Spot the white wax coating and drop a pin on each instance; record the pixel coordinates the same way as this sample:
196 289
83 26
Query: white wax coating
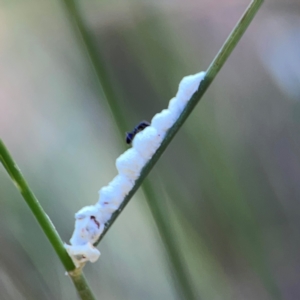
122 183
86 211
86 232
163 121
147 141
130 163
82 253
176 107
110 195
90 220
188 86
88 226
104 215
116 190
108 208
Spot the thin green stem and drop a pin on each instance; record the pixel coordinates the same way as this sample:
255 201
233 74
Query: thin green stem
109 91
112 100
211 73
230 44
43 220
82 287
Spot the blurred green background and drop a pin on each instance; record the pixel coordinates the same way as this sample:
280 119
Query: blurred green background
228 184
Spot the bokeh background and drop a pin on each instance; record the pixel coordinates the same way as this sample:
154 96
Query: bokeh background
227 186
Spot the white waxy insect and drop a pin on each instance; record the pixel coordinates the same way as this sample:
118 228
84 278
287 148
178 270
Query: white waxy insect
110 195
82 253
116 190
130 163
88 227
147 141
105 213
107 208
176 107
188 86
122 183
86 211
163 121
86 230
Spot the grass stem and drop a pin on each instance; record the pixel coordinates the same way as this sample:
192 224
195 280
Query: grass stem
44 221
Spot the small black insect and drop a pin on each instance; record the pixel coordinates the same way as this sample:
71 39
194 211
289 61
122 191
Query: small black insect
130 135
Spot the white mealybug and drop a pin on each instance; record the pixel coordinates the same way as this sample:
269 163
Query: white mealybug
116 190
163 121
107 208
147 141
110 195
82 253
176 107
130 163
88 229
122 183
188 86
86 211
87 226
106 211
